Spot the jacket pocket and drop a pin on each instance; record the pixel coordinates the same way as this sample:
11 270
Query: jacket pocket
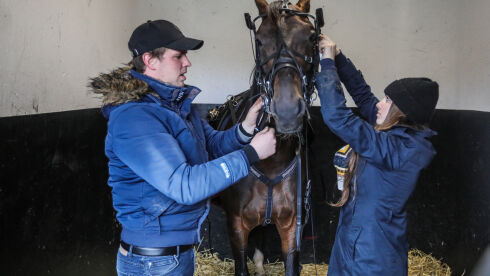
153 208
386 246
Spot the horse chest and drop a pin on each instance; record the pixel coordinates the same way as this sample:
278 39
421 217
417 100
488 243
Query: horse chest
283 198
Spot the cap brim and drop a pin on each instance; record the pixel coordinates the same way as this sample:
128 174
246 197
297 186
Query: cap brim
185 44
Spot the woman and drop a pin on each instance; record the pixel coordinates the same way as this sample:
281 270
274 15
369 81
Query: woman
379 168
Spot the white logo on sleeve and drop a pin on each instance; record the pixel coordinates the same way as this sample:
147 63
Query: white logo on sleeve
225 170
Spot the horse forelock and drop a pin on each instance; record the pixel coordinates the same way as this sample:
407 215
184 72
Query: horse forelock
274 13
274 9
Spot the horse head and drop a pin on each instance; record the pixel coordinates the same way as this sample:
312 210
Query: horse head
286 49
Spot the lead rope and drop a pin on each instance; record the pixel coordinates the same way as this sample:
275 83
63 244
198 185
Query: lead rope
299 203
308 205
307 202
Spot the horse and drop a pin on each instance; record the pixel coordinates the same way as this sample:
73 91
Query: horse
286 58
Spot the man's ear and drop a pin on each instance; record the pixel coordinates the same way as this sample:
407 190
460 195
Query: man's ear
149 61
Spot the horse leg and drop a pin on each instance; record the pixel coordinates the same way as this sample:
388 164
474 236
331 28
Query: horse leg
290 255
257 239
259 263
239 238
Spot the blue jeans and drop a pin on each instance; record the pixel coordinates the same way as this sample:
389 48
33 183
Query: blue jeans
131 264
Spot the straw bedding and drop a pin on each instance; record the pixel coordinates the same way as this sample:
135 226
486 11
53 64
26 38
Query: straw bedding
419 264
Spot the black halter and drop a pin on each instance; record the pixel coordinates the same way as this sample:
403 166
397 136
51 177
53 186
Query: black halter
284 57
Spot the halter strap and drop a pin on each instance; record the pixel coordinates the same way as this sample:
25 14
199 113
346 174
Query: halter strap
270 183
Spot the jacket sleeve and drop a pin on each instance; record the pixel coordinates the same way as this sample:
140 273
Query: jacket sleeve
219 143
357 87
379 147
142 142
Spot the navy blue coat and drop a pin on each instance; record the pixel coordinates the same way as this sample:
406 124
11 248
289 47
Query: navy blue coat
371 233
159 152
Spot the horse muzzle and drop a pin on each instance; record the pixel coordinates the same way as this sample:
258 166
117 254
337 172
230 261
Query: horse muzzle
288 117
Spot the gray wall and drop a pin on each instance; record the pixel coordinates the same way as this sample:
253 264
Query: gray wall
51 47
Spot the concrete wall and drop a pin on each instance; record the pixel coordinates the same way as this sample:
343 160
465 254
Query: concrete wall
51 47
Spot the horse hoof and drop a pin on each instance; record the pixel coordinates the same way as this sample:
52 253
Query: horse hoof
257 274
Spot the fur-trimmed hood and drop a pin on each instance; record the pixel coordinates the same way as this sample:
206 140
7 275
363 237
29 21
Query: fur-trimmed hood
118 87
123 85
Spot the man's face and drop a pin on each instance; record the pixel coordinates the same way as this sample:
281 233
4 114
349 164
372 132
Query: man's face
171 67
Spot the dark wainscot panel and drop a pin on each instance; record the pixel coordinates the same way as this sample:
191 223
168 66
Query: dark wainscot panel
57 216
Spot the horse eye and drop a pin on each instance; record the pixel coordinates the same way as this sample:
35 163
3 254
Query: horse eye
313 37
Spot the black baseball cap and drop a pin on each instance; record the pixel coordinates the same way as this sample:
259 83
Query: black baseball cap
160 33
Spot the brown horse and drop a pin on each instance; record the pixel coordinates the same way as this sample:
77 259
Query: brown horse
285 66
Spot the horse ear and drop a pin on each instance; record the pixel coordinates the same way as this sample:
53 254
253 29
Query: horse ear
262 5
304 5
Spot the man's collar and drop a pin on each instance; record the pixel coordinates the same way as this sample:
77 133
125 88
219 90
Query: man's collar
166 91
174 95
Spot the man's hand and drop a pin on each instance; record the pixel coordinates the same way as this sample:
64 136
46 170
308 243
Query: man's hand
250 120
264 143
327 47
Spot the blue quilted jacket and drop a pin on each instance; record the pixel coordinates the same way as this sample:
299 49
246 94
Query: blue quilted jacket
371 233
164 160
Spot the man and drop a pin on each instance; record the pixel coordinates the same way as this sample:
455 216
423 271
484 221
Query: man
159 151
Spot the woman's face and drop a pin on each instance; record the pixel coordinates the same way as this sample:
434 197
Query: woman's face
383 108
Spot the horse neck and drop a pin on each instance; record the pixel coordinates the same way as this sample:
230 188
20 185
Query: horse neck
285 149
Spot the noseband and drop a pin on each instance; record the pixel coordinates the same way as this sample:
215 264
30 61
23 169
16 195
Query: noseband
284 57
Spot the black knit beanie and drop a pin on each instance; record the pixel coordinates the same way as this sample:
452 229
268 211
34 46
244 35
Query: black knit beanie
416 98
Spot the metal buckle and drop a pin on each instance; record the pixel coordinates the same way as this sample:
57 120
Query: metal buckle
304 81
265 100
285 4
260 83
266 103
268 86
309 59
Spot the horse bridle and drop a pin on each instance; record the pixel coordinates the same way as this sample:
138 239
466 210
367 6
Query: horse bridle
284 57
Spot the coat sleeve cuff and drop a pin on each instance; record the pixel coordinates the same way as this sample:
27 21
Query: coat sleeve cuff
243 136
327 63
340 60
251 154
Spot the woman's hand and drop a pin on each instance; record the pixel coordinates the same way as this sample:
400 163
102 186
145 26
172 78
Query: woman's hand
327 47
